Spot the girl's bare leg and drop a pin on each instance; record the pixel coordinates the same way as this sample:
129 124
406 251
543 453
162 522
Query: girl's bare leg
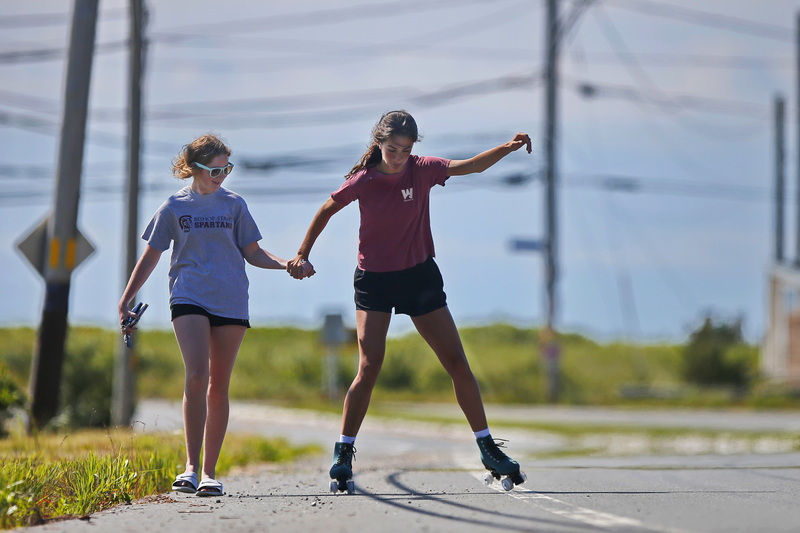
440 332
225 343
371 328
193 334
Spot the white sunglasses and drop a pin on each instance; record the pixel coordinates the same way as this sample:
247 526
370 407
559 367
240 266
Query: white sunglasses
216 171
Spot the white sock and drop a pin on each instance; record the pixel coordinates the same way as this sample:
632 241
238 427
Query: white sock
484 433
346 439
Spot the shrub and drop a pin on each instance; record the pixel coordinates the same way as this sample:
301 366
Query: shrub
86 384
716 355
10 397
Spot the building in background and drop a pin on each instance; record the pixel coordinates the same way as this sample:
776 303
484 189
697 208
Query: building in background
780 360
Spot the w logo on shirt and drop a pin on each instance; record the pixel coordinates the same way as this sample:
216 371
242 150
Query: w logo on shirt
408 194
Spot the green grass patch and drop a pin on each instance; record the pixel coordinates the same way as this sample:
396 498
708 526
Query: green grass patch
49 476
286 365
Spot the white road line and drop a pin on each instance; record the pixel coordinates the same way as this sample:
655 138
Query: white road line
568 510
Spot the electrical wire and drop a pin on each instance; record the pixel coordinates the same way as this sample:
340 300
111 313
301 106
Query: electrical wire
40 20
657 97
707 19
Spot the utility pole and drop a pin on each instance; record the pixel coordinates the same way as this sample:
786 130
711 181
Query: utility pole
56 247
780 181
797 106
123 401
550 349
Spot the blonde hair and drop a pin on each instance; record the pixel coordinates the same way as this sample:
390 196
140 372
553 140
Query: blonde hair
399 123
201 150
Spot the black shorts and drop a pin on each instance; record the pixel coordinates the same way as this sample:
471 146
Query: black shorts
414 291
215 321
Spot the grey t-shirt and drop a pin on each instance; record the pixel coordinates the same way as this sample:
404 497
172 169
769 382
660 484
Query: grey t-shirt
207 266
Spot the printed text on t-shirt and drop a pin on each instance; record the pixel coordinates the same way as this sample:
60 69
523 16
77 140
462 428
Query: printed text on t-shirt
213 222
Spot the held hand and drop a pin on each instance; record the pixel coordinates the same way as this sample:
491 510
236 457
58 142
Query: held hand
308 270
520 140
124 315
299 268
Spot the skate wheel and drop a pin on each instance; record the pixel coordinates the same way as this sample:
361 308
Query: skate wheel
518 478
334 486
488 478
351 486
507 484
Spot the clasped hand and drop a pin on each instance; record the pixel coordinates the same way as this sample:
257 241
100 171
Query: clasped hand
299 268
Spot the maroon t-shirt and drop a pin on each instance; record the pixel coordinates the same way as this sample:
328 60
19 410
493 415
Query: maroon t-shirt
395 231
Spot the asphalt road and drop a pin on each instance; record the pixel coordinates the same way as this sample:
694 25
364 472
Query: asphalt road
413 476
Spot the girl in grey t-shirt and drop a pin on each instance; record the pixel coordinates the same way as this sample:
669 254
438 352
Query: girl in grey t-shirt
212 235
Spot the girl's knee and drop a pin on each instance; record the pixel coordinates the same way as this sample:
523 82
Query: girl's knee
458 368
368 373
217 393
196 382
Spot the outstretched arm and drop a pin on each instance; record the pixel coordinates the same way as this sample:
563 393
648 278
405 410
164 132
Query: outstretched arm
484 160
318 223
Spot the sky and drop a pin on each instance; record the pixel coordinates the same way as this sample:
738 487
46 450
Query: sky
665 150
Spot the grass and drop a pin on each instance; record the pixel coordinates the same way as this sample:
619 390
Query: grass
286 364
48 477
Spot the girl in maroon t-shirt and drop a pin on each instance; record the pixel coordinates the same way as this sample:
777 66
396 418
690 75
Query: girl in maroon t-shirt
396 271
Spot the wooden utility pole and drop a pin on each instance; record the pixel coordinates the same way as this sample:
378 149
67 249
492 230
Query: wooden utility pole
550 351
123 401
56 247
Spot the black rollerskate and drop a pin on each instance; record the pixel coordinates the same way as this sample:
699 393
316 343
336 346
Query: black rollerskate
342 468
498 464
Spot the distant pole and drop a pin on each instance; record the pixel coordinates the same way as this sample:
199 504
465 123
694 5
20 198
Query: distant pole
550 174
123 402
780 180
797 110
62 236
333 335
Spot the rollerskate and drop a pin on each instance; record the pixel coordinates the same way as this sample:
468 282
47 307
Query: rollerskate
498 464
342 468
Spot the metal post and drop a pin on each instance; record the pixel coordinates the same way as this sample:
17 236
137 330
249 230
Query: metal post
797 110
62 236
780 181
551 218
333 335
123 403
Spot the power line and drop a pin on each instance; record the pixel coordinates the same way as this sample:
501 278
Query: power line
39 20
707 19
607 182
700 61
673 101
322 17
669 186
661 101
320 108
52 54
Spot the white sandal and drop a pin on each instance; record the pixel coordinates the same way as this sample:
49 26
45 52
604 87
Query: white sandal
186 482
209 487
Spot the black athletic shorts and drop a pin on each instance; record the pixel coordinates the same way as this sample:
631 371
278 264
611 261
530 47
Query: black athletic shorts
414 291
214 320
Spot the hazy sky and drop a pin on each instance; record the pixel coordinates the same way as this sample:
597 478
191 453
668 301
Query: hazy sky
665 157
